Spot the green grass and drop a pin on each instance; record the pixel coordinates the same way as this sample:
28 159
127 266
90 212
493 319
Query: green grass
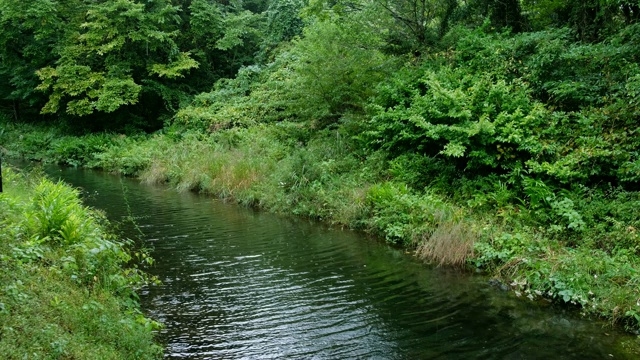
64 290
581 248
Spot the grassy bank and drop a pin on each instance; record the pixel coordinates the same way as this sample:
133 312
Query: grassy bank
283 168
500 136
66 288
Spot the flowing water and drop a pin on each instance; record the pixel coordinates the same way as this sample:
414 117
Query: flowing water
241 284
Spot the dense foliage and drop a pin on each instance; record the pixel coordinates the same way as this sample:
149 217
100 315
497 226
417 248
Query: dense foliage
498 134
125 58
65 289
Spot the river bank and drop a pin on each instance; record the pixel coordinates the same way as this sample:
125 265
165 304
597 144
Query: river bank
67 283
280 169
240 283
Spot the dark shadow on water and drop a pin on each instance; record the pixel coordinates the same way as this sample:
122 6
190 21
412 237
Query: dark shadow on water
238 283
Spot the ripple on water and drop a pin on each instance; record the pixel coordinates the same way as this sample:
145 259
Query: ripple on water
244 285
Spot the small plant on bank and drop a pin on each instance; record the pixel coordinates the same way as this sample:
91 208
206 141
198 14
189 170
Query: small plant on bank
66 288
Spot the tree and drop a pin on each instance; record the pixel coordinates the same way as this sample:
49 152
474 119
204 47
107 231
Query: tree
506 14
104 62
415 19
283 21
224 37
592 20
141 59
334 68
29 32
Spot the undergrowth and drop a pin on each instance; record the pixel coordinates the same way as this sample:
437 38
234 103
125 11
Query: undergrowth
580 248
67 289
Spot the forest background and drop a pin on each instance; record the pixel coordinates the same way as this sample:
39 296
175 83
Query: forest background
500 135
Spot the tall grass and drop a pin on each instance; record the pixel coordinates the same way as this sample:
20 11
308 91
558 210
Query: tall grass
203 165
451 243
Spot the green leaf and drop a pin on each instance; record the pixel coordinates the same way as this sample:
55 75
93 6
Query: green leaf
176 68
453 149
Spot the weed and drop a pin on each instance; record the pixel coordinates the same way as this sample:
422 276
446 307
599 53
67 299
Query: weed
549 240
450 244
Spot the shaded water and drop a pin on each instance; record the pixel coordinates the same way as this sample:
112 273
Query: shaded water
243 284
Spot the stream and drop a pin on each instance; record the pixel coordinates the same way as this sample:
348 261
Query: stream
243 284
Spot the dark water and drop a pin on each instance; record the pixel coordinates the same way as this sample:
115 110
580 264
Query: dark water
240 284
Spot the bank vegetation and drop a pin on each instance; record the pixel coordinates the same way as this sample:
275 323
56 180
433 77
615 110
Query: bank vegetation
500 136
67 284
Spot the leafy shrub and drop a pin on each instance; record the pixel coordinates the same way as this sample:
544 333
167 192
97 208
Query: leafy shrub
475 122
55 215
404 217
521 126
224 107
35 144
128 155
336 65
79 151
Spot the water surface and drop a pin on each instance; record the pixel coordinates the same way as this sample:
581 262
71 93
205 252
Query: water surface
241 284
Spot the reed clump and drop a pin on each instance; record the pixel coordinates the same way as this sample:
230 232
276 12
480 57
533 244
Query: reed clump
451 243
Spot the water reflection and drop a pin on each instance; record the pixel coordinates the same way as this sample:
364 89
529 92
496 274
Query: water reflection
244 284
